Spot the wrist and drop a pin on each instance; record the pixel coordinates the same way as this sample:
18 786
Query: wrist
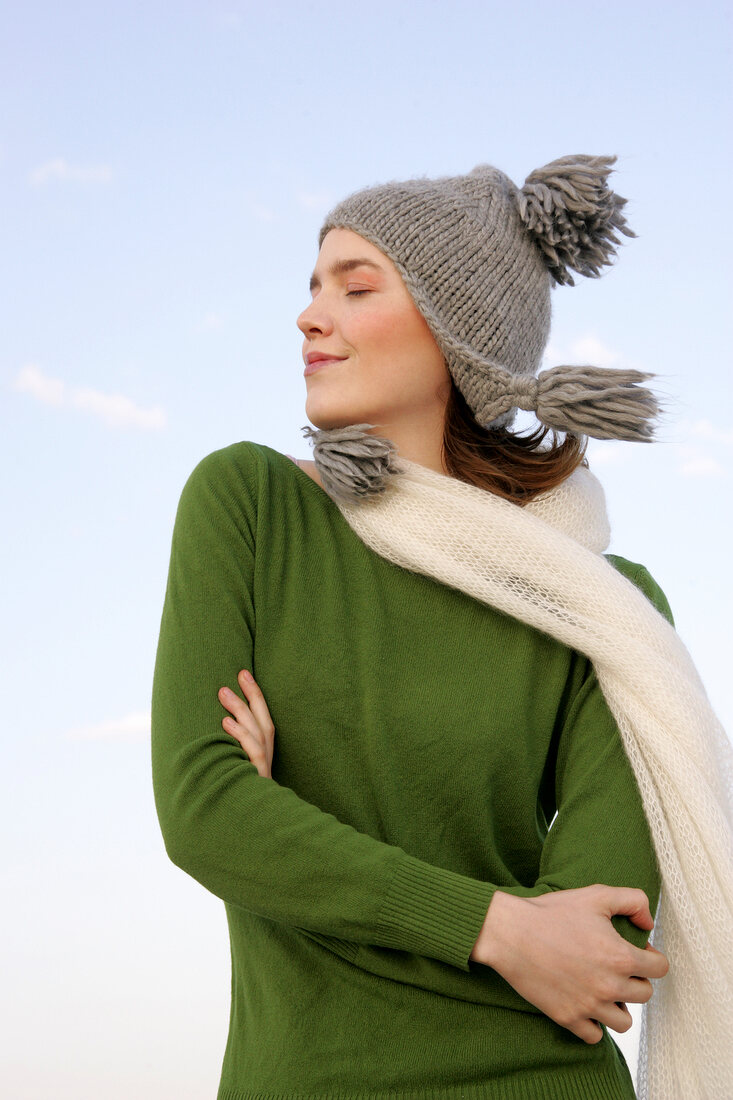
495 935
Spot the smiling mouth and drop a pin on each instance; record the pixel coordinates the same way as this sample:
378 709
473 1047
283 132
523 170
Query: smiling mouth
316 365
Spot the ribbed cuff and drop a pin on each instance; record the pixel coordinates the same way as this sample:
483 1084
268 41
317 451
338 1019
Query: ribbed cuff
431 911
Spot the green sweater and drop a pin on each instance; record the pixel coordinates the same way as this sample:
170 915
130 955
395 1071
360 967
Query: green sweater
424 743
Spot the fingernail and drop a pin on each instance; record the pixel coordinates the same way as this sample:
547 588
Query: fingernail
247 675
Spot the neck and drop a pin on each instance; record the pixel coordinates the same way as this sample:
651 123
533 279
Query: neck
419 442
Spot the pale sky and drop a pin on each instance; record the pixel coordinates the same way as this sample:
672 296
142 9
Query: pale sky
165 169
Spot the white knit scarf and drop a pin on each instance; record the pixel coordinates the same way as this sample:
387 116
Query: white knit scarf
543 564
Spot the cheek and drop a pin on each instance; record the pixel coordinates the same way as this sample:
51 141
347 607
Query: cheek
372 331
402 334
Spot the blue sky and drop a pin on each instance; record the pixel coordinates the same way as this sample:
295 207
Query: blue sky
164 171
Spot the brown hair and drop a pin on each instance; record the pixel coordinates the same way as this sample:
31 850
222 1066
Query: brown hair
516 467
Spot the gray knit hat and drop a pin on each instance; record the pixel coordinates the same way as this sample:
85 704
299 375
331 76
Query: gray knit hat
479 257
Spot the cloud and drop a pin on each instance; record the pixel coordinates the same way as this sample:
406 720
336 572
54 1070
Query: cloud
704 429
607 452
591 350
131 727
259 209
112 408
117 410
30 379
703 454
59 170
696 464
586 350
315 200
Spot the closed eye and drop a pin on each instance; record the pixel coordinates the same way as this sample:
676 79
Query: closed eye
356 293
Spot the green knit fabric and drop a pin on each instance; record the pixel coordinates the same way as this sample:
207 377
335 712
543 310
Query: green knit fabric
424 743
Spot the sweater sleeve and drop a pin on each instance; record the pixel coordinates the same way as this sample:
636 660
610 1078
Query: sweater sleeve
600 833
249 840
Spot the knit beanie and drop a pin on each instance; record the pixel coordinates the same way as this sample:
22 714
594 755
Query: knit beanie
479 257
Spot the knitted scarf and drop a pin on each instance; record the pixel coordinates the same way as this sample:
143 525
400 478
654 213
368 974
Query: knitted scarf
543 564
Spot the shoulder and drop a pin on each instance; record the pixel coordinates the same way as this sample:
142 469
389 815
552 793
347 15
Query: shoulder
644 581
245 461
309 466
233 478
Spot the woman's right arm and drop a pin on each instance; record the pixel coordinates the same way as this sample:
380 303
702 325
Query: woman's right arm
247 839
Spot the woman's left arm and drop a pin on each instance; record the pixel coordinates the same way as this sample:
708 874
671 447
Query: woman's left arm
599 836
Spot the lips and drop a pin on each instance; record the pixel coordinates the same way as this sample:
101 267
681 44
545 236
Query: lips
316 360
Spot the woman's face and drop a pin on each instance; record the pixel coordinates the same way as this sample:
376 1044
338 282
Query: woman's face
385 368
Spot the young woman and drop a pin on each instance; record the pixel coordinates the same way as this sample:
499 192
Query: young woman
439 677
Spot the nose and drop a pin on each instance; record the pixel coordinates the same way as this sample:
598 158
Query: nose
315 320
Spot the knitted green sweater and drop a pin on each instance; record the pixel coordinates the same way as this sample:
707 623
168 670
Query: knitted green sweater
424 743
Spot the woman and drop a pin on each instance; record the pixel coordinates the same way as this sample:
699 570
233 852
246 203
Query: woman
403 921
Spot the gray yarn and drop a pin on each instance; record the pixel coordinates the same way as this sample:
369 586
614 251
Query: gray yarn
607 404
573 215
479 257
352 464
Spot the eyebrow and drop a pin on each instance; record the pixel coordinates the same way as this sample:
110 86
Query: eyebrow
340 266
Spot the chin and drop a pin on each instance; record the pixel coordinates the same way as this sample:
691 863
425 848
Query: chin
326 418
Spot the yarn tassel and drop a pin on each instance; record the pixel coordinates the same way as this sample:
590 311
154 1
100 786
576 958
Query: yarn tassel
595 401
352 464
574 215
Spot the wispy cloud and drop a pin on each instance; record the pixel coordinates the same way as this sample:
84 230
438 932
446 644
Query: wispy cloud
113 408
29 379
705 452
315 200
698 464
591 350
131 727
705 429
259 209
584 350
118 410
608 452
61 171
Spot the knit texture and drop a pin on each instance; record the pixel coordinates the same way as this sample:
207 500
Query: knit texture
424 742
479 255
542 564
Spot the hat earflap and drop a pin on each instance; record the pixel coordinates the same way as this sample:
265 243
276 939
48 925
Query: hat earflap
573 215
592 401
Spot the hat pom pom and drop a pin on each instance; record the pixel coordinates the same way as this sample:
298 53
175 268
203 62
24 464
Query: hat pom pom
352 464
573 215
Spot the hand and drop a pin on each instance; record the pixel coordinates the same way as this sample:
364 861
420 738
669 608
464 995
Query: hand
250 725
562 954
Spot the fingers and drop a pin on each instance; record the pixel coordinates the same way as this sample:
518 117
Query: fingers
588 1030
655 964
645 962
628 902
638 991
256 701
634 904
618 1017
249 722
